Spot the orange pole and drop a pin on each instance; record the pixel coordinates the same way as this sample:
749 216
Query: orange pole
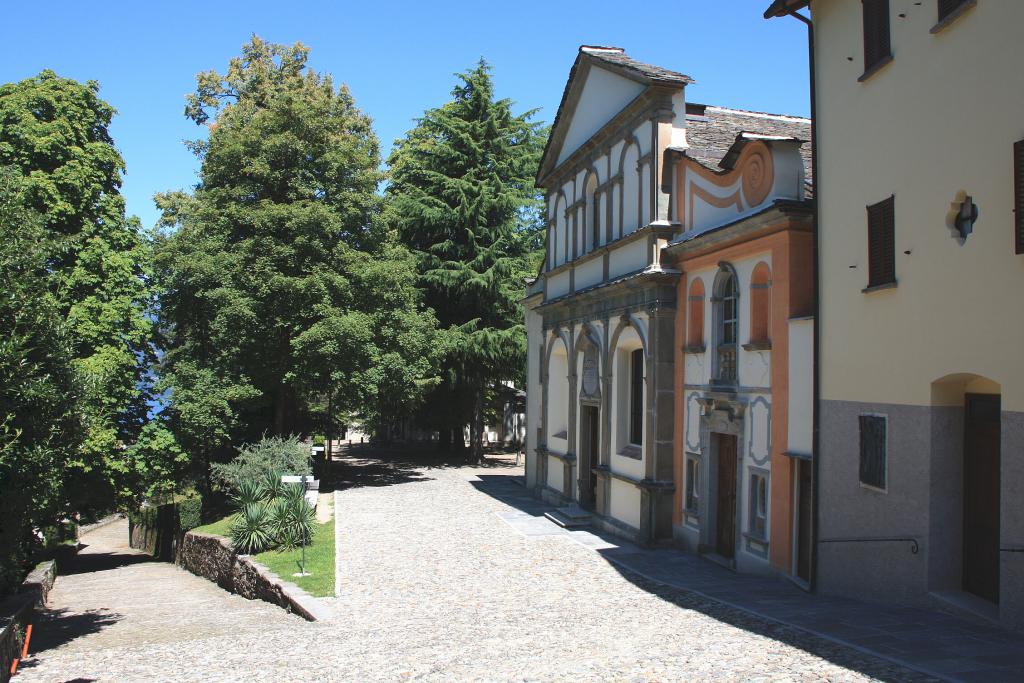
24 650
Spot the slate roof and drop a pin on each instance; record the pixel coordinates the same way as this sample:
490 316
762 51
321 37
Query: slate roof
616 56
711 131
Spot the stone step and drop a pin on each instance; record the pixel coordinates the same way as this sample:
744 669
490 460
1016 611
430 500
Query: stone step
570 517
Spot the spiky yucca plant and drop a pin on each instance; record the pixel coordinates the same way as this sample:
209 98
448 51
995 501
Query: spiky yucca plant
292 517
273 487
251 532
249 493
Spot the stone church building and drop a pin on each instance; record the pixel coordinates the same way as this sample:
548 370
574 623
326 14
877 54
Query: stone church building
668 397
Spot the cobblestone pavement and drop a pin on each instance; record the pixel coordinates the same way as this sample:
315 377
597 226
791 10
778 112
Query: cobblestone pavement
437 586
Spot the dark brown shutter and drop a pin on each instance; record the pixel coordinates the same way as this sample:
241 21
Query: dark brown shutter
882 243
946 7
876 32
1018 196
873 450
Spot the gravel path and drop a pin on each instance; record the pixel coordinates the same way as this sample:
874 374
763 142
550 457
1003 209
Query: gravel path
436 586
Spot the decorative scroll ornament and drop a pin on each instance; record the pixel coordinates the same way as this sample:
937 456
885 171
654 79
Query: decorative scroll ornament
758 175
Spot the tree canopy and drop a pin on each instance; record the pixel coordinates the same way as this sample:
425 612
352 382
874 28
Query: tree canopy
54 133
462 198
284 299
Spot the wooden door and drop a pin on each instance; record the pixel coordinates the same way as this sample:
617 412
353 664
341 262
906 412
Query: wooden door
590 458
803 519
981 496
725 525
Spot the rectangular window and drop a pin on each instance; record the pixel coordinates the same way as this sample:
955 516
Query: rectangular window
873 451
882 243
1018 196
758 523
877 49
636 398
692 485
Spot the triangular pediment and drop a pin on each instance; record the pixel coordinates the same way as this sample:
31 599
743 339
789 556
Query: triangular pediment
602 95
602 83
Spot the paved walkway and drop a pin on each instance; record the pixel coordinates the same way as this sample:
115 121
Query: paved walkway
929 642
115 606
447 573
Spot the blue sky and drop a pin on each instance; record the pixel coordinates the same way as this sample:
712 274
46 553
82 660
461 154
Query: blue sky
397 57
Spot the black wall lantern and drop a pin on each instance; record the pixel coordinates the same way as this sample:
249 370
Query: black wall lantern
966 217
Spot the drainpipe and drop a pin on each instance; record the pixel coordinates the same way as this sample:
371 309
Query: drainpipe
815 368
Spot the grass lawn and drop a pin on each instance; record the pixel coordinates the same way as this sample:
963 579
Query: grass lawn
319 557
222 527
319 562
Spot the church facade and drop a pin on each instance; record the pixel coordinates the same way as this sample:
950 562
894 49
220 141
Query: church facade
646 194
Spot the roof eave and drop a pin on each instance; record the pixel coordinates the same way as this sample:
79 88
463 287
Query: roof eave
782 8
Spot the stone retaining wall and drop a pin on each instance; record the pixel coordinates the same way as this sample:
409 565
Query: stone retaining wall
213 558
17 611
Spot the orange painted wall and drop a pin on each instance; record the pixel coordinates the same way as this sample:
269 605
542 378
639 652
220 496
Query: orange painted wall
792 294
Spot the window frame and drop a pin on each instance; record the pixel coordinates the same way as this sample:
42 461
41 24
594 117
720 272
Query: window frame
884 488
951 15
727 277
878 212
636 398
876 12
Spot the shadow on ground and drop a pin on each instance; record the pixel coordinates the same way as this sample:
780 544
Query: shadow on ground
55 627
86 563
359 465
509 489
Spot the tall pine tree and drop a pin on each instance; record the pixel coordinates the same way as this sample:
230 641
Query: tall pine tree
461 194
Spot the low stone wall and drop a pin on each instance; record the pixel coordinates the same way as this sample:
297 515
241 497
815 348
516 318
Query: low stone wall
17 611
213 558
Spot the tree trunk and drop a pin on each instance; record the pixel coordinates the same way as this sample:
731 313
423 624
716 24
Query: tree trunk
477 429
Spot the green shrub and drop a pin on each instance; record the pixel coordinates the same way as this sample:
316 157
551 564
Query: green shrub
293 517
251 532
249 492
270 515
190 512
273 487
287 456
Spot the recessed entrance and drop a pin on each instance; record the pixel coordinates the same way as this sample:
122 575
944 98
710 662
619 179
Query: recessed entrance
981 496
725 505
590 460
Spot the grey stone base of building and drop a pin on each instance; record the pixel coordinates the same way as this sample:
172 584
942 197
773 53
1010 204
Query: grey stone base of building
905 542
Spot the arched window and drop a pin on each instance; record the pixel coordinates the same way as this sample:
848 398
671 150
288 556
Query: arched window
560 233
630 190
593 229
695 317
727 325
760 305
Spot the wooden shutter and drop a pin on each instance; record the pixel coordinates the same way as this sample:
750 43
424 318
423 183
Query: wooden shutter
1018 196
882 243
873 450
946 7
876 32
